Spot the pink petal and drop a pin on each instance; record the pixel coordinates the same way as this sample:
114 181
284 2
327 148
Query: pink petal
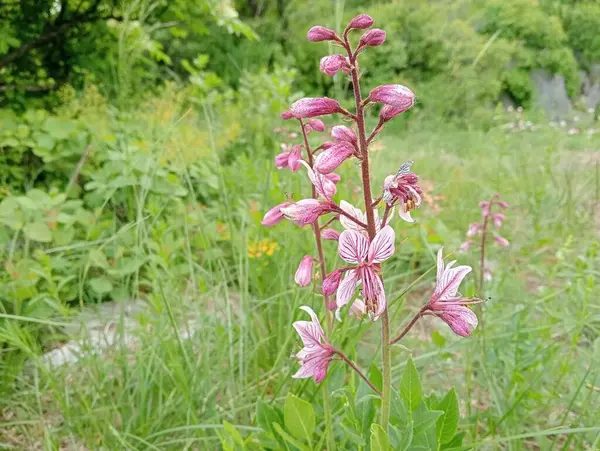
325 187
281 160
330 234
294 157
353 247
382 246
304 273
328 160
331 282
461 320
347 288
451 279
274 215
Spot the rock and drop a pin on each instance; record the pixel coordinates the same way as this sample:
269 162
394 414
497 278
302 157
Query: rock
590 87
551 94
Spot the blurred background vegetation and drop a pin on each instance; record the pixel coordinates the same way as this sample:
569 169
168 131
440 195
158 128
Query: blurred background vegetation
136 146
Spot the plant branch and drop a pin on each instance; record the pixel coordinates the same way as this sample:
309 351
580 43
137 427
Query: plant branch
359 372
409 326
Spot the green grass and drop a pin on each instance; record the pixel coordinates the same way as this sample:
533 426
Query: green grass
528 378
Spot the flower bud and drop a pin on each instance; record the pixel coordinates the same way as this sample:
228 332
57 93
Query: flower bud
314 106
287 114
389 112
485 208
306 211
397 96
331 282
274 215
502 241
331 64
333 177
465 246
317 125
319 33
498 218
372 38
281 160
304 273
503 204
341 133
360 22
327 144
330 159
294 157
474 229
330 234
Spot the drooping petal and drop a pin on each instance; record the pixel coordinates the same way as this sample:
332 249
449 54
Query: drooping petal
274 215
331 283
294 157
281 160
353 247
461 320
382 246
404 213
347 288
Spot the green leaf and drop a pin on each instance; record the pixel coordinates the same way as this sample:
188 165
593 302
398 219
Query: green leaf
410 386
299 417
448 423
438 339
38 231
401 438
98 259
379 438
455 443
424 419
101 285
288 438
266 415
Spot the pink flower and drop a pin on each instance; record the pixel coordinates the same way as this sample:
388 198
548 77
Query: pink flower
397 96
341 133
281 160
349 224
317 353
331 282
465 246
274 215
372 38
330 65
304 273
330 234
389 112
503 204
502 241
355 248
403 187
317 125
287 114
319 33
328 160
324 187
327 144
360 22
485 208
474 229
498 218
314 106
306 211
446 304
332 176
295 157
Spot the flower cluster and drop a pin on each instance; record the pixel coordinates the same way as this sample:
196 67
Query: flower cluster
365 240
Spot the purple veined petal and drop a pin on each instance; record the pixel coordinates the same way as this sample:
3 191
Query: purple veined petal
389 112
353 247
330 234
281 160
331 283
310 333
347 287
440 265
325 187
381 300
342 133
332 176
449 283
461 320
346 222
382 247
274 215
305 211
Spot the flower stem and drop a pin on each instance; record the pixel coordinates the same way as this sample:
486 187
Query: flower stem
359 372
409 325
368 197
317 233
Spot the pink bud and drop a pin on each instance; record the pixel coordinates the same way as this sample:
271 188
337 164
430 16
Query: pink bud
503 204
331 282
498 218
397 96
319 33
341 133
333 177
331 64
389 112
306 211
295 157
485 208
474 229
372 38
330 234
327 144
361 22
274 215
465 246
502 241
317 125
281 160
330 159
314 106
304 272
287 114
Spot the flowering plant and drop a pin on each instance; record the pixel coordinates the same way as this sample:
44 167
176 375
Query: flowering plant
364 245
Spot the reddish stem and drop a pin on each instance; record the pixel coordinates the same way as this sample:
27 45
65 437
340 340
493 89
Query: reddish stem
317 230
359 372
410 325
